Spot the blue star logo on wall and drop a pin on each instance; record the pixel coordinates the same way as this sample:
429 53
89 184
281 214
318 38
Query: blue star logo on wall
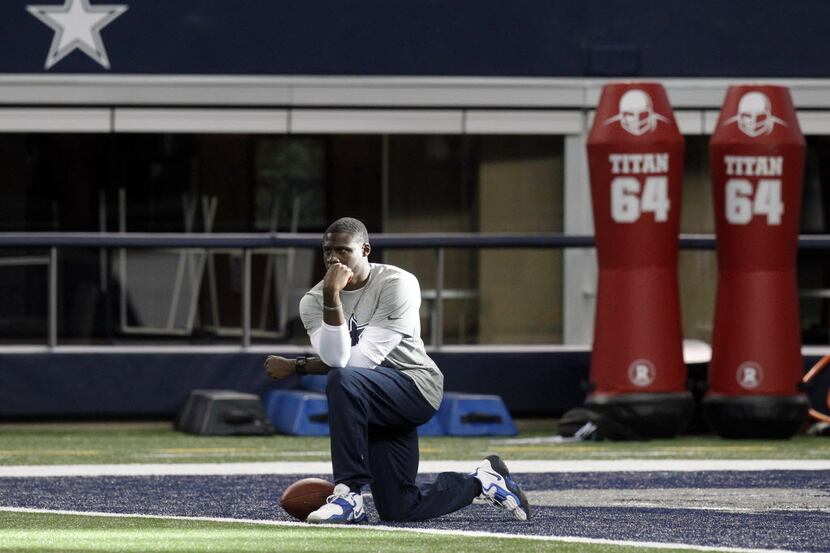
77 25
355 330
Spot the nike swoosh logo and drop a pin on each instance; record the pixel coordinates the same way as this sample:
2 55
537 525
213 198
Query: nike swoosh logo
495 475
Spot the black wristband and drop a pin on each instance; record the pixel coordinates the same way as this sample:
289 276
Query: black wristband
299 365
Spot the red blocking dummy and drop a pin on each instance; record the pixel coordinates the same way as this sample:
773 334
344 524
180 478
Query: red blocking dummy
636 153
757 164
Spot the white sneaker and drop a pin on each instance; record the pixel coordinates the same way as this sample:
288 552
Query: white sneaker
500 489
342 507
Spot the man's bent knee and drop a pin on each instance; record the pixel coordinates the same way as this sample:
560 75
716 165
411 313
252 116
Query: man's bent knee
341 379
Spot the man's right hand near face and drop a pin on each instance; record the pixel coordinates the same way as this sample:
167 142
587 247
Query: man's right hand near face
337 277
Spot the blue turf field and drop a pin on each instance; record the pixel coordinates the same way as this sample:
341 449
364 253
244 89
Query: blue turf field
778 509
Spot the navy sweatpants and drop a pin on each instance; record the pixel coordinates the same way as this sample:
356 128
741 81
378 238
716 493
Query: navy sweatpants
373 419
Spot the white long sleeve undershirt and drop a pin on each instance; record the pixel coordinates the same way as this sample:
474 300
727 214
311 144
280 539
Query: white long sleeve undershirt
333 344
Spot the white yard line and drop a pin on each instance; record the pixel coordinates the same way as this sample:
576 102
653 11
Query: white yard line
324 467
565 539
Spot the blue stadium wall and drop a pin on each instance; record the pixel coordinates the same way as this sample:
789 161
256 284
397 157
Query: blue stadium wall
156 383
534 382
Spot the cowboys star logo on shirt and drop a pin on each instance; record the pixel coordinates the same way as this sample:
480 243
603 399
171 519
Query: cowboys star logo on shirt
355 330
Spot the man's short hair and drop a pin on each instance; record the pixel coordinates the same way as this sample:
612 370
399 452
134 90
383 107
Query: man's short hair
352 226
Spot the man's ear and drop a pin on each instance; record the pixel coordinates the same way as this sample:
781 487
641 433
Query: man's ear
366 249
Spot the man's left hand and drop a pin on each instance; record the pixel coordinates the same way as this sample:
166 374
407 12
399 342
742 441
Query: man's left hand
279 367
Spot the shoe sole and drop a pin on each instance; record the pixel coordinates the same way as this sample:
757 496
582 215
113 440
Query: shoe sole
353 521
522 512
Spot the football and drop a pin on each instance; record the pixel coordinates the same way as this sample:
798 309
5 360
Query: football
304 496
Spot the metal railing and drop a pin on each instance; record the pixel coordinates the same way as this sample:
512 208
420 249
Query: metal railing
249 242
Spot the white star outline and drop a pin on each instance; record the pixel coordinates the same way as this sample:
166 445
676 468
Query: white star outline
356 330
77 25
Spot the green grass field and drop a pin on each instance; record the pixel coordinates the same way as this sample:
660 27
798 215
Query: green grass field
95 443
116 443
38 532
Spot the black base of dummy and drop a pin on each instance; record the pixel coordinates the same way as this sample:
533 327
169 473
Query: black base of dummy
658 415
760 417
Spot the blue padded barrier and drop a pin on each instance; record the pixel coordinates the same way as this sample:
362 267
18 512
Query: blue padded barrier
317 383
305 413
432 427
298 412
475 415
314 383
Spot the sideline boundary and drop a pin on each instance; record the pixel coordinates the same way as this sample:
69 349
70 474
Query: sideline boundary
426 467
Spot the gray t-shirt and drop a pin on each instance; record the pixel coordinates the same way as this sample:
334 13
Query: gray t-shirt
390 299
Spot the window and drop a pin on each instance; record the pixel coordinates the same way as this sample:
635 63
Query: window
256 183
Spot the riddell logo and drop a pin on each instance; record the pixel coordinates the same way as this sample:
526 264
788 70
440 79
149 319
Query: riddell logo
749 375
637 115
641 372
754 116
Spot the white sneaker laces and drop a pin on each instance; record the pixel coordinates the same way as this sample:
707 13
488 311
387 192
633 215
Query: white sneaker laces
341 495
332 497
510 503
